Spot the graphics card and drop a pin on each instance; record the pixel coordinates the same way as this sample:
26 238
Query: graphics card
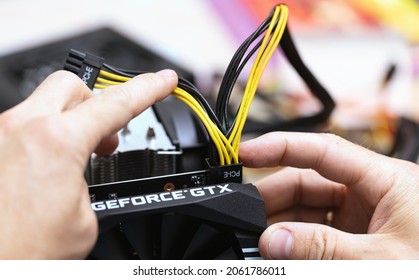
159 196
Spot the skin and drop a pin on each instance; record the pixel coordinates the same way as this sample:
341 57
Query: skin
374 199
46 142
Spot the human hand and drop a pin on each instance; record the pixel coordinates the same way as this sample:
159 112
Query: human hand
45 145
374 199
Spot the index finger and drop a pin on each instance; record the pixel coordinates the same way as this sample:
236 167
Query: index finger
106 113
333 157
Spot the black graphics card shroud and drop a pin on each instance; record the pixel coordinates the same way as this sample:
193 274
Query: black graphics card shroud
222 221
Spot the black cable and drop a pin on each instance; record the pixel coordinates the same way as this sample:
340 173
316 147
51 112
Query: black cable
183 84
291 53
312 83
234 69
241 57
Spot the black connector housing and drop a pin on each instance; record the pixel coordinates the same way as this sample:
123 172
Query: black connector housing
224 173
84 65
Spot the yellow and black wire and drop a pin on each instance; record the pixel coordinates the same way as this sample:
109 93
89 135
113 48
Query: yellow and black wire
226 154
225 136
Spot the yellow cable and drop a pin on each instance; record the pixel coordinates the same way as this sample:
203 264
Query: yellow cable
225 150
261 61
100 86
114 76
217 136
257 73
221 151
250 79
107 82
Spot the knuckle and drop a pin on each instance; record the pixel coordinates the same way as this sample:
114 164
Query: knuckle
321 246
331 138
65 77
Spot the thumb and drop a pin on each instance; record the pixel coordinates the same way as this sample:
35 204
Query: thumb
314 242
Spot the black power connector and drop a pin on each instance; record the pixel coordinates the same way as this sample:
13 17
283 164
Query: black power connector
84 65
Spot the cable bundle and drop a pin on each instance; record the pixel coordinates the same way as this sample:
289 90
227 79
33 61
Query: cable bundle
191 96
225 133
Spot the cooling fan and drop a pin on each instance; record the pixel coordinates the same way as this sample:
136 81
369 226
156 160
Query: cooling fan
210 222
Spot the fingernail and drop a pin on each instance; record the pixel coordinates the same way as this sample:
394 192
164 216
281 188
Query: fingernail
280 244
167 73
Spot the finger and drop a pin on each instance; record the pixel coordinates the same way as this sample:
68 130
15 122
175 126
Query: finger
333 157
300 214
106 113
315 242
107 146
61 91
291 186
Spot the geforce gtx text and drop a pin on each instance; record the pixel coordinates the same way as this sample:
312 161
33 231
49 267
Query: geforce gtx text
160 197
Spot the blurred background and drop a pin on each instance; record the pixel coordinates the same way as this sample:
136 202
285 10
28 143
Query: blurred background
366 53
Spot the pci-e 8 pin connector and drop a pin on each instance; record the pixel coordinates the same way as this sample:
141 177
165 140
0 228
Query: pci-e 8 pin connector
84 65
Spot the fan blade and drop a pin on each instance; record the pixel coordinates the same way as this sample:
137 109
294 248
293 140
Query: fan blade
112 245
207 243
176 233
229 254
139 232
